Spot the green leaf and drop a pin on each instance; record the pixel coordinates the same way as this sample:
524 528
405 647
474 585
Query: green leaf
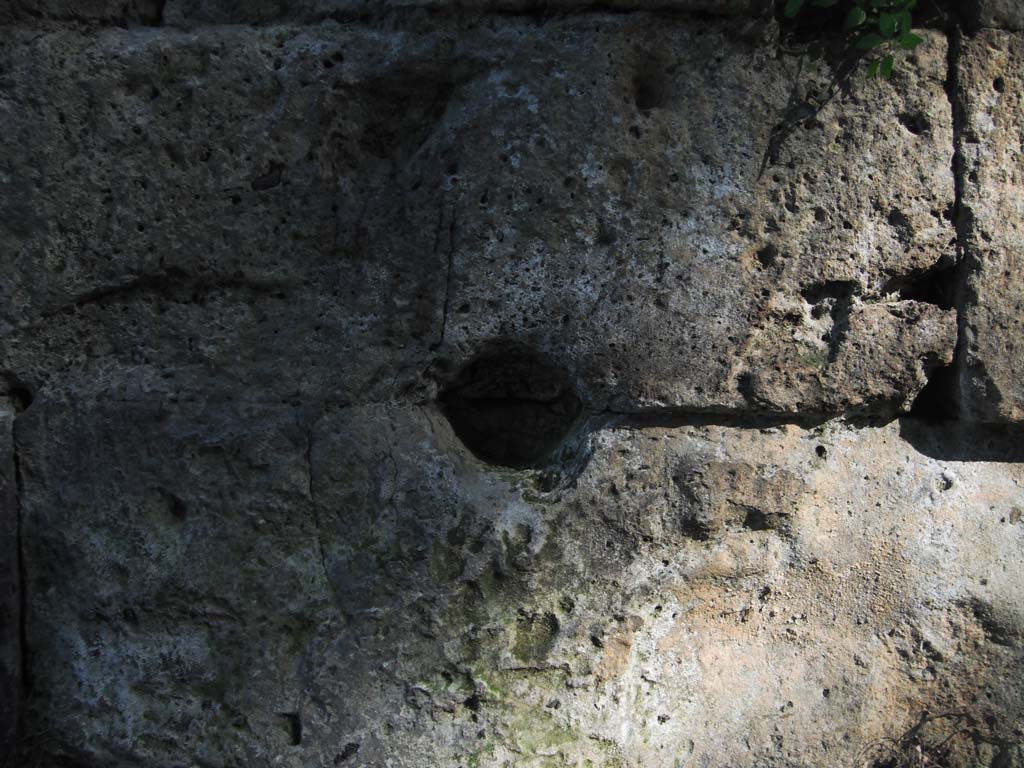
906 21
793 8
873 68
886 69
855 18
909 41
869 41
888 23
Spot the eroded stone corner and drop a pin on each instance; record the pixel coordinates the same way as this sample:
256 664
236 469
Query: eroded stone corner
987 88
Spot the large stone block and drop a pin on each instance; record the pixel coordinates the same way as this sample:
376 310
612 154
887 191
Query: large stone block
990 87
672 266
225 585
166 597
217 207
326 212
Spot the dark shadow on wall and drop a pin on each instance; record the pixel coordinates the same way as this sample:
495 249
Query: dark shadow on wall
963 441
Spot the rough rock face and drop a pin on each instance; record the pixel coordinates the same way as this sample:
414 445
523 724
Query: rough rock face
184 13
558 186
422 383
999 14
990 83
10 592
368 587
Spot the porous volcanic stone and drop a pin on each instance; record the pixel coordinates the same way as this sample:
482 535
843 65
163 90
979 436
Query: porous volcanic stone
990 88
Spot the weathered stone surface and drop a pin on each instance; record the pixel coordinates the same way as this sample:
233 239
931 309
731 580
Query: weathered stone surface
869 357
209 204
174 223
10 592
359 587
990 87
121 12
178 594
189 12
494 389
666 268
999 14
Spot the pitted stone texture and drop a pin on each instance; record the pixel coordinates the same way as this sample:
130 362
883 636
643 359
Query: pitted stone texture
998 14
172 219
10 589
202 580
190 12
319 212
173 597
48 12
889 350
991 88
665 268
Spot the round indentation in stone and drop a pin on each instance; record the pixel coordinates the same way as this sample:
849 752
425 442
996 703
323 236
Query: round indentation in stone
511 406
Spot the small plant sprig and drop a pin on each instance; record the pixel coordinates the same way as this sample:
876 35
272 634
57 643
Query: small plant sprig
844 33
874 28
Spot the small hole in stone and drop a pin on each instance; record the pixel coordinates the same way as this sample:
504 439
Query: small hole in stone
293 726
511 406
650 87
821 451
938 402
756 520
999 84
349 751
606 234
20 397
767 255
917 123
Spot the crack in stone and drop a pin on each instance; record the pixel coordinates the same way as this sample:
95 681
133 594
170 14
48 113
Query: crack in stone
942 397
24 669
167 280
162 282
539 10
448 274
316 519
374 12
960 213
676 418
11 594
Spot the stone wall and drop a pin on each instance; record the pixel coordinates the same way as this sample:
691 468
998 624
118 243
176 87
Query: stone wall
432 383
